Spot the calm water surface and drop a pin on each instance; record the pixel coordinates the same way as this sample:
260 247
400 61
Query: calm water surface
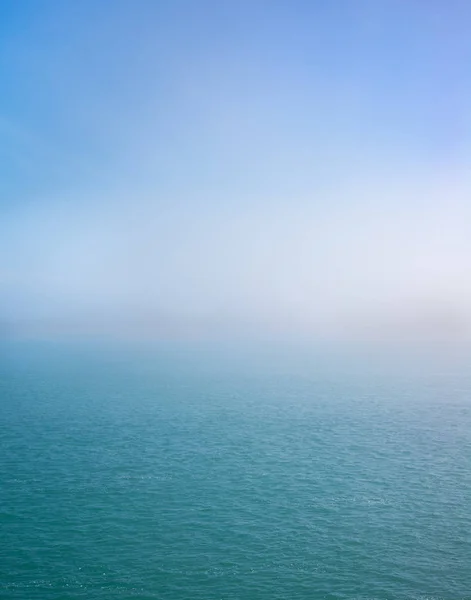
183 474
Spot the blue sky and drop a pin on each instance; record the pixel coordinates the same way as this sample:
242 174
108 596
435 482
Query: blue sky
221 166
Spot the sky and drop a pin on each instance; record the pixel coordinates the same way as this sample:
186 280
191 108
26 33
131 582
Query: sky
254 167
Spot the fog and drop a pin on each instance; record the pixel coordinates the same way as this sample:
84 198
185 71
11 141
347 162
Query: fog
212 183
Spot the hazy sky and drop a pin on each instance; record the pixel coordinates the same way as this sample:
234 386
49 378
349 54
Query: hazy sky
224 166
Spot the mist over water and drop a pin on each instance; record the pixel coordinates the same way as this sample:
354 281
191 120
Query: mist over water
259 271
235 300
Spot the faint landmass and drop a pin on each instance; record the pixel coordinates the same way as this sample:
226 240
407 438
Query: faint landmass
420 324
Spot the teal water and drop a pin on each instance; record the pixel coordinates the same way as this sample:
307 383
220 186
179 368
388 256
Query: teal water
180 474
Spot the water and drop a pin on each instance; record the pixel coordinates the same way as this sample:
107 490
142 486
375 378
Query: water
179 474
